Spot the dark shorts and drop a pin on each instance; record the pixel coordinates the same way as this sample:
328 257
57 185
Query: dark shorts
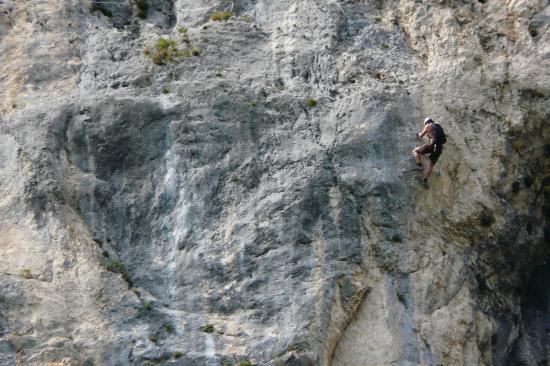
432 149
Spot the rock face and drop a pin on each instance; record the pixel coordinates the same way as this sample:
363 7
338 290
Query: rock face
181 190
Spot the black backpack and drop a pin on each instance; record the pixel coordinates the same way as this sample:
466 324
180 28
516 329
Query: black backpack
440 137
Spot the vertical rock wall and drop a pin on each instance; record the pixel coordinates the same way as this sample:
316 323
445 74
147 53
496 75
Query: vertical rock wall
244 189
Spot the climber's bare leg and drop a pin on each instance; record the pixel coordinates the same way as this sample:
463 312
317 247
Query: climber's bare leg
429 171
416 155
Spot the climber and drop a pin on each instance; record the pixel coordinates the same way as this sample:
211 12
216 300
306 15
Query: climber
434 147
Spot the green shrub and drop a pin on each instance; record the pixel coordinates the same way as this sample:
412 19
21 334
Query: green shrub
247 18
221 15
385 46
208 328
147 306
114 265
310 102
183 30
25 273
142 7
245 363
153 339
163 51
164 43
165 91
176 355
169 328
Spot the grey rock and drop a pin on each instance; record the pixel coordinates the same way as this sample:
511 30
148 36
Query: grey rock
142 200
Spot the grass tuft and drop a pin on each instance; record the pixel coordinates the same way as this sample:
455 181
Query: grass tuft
116 266
195 51
310 102
221 15
163 51
169 328
207 328
25 273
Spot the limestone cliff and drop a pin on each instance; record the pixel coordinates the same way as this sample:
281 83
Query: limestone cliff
206 182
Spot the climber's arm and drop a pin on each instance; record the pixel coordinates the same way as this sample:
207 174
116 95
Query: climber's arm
423 132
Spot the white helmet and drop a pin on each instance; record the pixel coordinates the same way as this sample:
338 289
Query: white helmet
428 120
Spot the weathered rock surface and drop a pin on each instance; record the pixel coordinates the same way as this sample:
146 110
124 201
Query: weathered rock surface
251 196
